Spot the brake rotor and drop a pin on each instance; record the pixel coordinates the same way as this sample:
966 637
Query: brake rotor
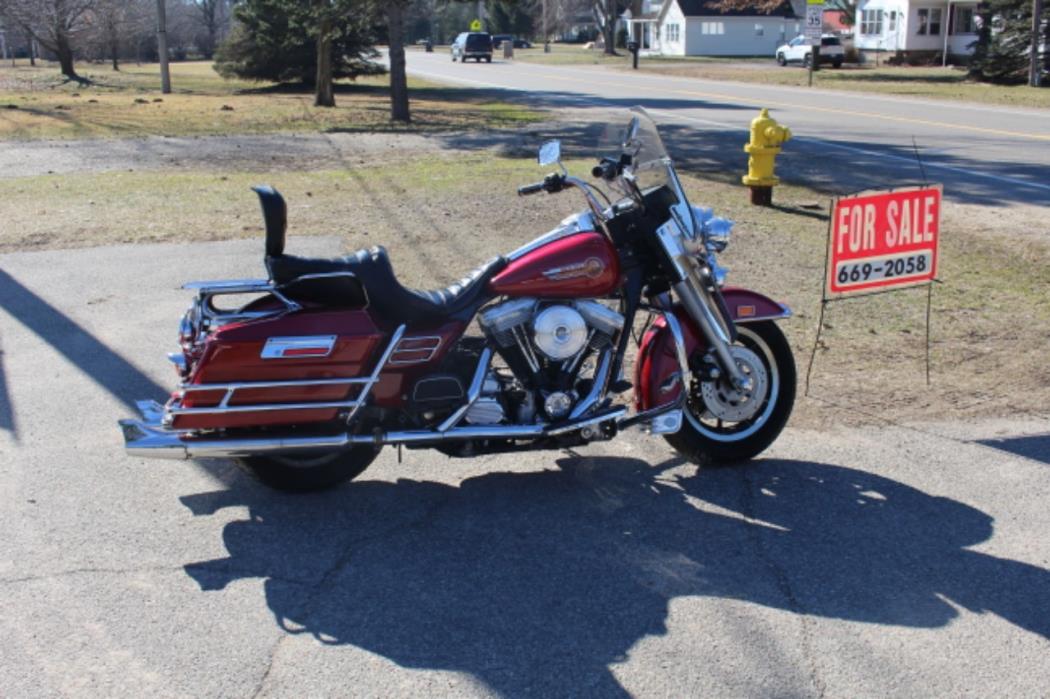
726 403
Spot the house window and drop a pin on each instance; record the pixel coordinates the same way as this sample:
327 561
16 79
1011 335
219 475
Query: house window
891 24
871 22
929 21
713 28
965 22
760 30
672 32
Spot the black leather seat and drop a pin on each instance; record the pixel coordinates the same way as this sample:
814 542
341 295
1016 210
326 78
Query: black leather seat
373 272
386 295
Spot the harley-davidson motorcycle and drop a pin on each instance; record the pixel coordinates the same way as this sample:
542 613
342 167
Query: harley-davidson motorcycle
333 359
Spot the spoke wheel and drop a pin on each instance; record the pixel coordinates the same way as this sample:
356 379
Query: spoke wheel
724 426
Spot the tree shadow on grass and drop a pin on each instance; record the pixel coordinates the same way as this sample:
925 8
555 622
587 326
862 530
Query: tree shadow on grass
830 166
536 582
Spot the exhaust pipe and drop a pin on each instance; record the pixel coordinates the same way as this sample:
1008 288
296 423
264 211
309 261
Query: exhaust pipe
149 438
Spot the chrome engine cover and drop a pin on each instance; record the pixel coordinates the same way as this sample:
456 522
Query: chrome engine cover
560 332
486 410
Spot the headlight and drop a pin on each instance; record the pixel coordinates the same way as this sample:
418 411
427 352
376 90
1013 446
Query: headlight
716 233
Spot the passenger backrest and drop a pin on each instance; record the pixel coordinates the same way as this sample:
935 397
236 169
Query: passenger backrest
275 213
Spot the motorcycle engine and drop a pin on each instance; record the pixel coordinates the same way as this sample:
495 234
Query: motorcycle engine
544 343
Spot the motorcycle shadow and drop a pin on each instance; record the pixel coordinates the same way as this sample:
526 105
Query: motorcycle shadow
536 582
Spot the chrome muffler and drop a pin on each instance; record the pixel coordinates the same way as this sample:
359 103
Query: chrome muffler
150 438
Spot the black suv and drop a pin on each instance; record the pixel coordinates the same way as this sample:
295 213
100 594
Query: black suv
476 45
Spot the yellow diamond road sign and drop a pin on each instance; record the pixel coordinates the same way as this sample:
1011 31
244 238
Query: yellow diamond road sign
475 26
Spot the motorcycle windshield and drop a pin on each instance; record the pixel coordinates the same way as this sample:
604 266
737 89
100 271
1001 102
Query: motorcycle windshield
635 134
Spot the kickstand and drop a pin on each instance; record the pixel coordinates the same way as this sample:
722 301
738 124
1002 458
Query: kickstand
399 453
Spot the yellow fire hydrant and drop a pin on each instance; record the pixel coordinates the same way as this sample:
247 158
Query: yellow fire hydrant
766 138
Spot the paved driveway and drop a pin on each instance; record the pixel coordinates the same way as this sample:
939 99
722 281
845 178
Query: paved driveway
890 561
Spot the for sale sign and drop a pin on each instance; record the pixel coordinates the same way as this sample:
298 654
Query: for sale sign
883 240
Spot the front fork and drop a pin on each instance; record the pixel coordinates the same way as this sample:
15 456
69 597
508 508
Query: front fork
696 291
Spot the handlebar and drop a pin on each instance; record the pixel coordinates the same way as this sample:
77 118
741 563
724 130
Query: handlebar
551 184
528 189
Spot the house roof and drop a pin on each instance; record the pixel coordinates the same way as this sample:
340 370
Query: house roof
709 8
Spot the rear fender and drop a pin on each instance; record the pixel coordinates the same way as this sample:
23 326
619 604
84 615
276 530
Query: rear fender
657 377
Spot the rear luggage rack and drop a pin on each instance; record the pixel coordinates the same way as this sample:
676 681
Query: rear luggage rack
207 316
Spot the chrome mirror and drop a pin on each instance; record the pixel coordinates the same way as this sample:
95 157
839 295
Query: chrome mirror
550 153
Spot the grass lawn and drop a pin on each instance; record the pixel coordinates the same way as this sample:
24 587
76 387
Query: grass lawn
935 83
35 103
569 54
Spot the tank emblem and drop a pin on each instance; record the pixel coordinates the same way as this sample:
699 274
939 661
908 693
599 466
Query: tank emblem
590 268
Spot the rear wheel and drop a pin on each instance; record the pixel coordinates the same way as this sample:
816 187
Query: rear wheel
301 473
837 63
723 426
807 60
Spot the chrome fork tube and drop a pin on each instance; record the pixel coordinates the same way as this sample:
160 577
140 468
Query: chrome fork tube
701 312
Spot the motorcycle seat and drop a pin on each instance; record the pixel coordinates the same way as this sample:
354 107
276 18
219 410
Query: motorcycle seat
385 294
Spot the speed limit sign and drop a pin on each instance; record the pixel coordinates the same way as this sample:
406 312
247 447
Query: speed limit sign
814 22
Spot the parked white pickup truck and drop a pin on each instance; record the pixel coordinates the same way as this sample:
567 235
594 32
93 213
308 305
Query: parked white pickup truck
798 51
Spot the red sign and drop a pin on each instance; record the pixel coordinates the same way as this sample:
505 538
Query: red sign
883 240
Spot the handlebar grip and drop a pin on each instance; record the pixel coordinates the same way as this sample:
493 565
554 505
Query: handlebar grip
527 189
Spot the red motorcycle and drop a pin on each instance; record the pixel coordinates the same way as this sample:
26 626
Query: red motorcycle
334 358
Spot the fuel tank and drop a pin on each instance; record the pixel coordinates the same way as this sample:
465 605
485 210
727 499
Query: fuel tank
578 265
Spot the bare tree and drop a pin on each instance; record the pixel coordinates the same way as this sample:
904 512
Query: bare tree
763 6
54 24
111 21
210 14
607 12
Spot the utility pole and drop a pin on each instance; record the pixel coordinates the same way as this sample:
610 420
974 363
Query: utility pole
1035 70
162 47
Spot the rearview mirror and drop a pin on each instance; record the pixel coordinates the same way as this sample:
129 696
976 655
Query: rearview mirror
631 133
550 153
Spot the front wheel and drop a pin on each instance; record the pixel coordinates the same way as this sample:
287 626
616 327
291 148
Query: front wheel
781 61
723 426
302 473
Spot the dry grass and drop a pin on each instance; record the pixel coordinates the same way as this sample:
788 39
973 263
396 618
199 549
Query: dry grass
36 104
934 83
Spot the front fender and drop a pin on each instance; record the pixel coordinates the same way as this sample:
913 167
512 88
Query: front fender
656 369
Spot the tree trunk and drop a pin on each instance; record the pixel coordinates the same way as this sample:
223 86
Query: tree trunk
609 26
324 95
114 49
32 50
162 47
1035 68
398 81
65 57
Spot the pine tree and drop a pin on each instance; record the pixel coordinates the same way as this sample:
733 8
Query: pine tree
1001 52
277 40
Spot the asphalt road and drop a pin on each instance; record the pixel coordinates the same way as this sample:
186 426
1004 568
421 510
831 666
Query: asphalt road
843 140
891 561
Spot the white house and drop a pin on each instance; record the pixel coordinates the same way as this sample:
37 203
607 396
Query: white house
698 28
916 28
